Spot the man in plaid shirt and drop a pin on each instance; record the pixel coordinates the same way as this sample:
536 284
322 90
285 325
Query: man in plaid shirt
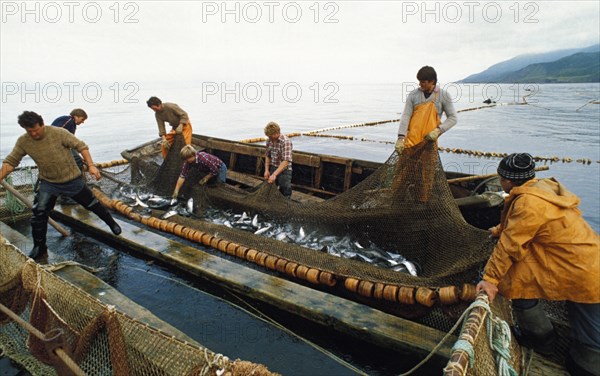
278 159
204 162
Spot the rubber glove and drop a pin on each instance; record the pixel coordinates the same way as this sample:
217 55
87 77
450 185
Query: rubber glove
433 135
399 146
174 196
165 144
179 129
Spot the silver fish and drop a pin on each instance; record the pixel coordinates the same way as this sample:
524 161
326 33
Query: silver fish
412 269
301 234
262 230
139 202
190 205
255 221
168 214
242 218
282 237
158 202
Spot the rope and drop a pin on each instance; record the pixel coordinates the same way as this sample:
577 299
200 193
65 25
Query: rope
467 347
59 265
501 345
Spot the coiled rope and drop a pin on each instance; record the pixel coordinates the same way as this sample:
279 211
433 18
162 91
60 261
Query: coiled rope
498 333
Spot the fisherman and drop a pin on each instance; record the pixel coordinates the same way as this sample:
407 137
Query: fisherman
546 250
423 110
202 161
278 159
70 122
58 174
176 117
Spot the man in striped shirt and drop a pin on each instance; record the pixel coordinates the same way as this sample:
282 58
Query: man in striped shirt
278 159
202 161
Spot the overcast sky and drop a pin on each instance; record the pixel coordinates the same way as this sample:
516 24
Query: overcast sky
345 41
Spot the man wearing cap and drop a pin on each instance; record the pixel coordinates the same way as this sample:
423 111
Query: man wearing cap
202 161
546 250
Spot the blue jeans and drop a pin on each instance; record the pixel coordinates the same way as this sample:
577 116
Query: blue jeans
222 177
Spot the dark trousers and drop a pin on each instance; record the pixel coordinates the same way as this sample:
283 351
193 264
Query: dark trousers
283 181
44 203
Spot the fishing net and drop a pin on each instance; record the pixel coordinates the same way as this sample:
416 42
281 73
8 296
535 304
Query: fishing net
100 339
405 206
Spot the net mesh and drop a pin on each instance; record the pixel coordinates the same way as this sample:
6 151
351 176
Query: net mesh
100 339
405 206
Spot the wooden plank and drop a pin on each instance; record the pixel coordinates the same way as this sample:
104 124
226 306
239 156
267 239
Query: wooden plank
355 319
253 181
303 159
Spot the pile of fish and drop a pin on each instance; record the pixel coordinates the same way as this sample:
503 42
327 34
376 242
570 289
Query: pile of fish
341 246
144 202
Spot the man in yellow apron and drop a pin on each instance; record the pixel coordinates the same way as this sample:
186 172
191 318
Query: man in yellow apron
423 110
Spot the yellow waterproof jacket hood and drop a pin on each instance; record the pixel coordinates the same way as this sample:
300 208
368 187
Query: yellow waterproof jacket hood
546 249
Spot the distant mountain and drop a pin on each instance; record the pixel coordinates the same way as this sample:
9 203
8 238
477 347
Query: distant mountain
496 71
579 67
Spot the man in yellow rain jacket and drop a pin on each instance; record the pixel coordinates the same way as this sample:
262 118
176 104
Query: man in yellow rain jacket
546 250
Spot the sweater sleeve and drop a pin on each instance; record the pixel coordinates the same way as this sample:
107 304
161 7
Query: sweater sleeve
75 143
406 115
161 125
448 109
15 156
183 116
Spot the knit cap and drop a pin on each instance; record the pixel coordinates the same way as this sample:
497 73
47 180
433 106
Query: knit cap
517 166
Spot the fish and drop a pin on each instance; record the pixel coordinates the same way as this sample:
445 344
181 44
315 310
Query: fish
255 221
227 224
412 269
301 234
158 202
262 230
182 211
168 214
190 205
139 202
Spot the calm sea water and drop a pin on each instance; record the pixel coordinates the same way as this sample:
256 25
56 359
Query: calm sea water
553 124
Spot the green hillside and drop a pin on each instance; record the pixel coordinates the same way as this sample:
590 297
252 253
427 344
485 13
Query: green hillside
576 68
